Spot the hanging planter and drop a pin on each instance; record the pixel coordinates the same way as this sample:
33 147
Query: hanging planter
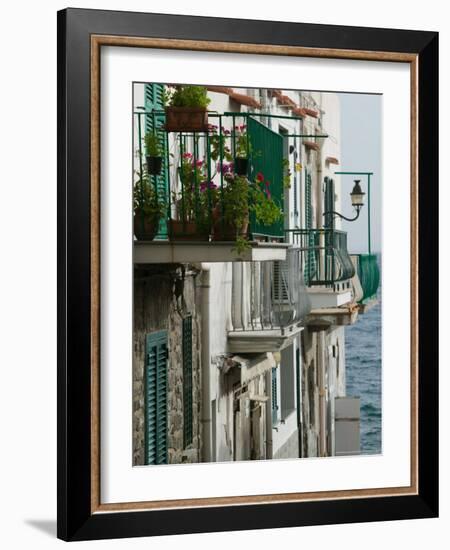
154 152
241 166
186 109
186 119
154 165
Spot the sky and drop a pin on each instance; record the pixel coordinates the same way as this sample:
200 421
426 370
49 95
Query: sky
361 127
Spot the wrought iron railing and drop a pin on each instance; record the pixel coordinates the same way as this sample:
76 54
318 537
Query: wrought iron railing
368 274
324 258
194 185
269 295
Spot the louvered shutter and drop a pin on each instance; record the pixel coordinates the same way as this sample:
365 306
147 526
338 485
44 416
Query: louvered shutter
330 267
280 290
274 396
156 398
187 381
310 262
329 203
154 121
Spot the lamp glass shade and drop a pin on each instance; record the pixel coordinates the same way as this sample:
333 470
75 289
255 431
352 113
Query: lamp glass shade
357 195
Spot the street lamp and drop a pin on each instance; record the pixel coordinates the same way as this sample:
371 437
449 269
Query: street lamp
357 198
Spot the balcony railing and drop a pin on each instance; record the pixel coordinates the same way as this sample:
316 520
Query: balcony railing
268 297
324 258
194 185
368 274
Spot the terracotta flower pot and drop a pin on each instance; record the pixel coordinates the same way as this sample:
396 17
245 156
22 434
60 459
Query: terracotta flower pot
226 231
154 165
186 119
187 231
145 228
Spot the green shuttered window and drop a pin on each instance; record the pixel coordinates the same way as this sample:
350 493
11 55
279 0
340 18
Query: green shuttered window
187 382
156 360
310 262
274 396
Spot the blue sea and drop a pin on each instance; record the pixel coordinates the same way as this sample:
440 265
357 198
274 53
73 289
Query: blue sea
363 373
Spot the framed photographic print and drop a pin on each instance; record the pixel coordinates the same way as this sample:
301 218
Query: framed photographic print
247 274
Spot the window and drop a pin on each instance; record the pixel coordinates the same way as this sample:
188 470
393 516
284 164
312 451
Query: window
187 381
156 359
274 396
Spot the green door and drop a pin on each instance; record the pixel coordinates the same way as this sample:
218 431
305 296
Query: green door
267 158
154 122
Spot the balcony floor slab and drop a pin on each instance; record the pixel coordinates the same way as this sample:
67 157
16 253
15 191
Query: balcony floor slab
261 341
329 298
158 252
338 316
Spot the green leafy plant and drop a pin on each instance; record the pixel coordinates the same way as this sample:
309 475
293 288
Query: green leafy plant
218 143
240 197
198 194
186 96
153 147
243 146
146 201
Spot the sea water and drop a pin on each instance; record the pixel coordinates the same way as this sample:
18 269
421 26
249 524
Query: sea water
363 373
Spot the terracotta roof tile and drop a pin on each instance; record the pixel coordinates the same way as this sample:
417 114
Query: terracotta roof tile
310 112
243 99
220 89
311 145
332 160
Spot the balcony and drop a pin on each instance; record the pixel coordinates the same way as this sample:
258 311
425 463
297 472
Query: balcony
325 265
210 205
269 304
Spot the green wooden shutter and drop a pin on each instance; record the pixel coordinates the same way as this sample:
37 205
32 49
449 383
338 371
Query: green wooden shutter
274 396
308 200
267 157
154 121
310 260
187 382
156 398
329 203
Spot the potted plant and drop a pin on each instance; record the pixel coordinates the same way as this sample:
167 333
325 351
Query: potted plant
153 152
186 109
148 210
193 202
238 198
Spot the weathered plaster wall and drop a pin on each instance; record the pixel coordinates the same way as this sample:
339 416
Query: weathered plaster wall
289 449
334 357
160 302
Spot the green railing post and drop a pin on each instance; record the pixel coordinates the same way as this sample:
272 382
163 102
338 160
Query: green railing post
141 173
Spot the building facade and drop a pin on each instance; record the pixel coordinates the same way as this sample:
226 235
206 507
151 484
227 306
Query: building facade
240 354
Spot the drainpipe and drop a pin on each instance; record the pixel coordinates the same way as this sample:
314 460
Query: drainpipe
322 395
206 418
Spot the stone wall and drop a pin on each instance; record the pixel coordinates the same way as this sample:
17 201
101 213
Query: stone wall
163 295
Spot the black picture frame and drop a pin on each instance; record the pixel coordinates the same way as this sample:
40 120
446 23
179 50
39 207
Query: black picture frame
75 475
